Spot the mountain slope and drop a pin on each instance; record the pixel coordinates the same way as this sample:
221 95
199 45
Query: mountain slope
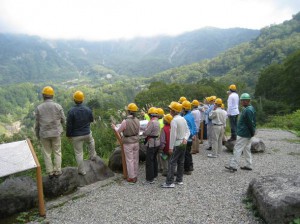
242 63
30 58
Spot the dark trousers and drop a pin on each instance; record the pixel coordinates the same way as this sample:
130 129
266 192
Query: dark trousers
151 163
188 159
176 159
233 125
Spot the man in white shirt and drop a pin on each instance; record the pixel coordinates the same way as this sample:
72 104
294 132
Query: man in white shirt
233 110
178 139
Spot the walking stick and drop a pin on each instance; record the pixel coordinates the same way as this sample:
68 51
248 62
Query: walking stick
201 133
125 175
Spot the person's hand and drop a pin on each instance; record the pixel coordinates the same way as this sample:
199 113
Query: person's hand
184 141
194 138
113 126
170 152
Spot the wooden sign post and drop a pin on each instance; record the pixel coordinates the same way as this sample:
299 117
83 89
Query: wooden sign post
124 166
20 156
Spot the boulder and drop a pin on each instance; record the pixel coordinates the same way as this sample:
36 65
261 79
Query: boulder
257 145
17 195
276 197
70 179
115 160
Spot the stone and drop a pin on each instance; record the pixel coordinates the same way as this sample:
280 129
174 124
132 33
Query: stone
16 195
70 179
276 197
257 145
115 160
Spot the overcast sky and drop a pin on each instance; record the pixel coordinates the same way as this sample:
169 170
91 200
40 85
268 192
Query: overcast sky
114 19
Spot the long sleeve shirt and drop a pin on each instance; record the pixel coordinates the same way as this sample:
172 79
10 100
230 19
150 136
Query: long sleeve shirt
49 118
130 128
247 122
210 108
152 133
78 121
197 118
179 131
233 104
191 124
218 117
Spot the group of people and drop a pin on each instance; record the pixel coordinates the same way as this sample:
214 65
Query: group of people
171 139
49 122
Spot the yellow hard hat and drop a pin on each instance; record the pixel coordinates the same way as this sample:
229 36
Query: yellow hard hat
78 96
212 98
218 101
195 103
232 87
132 107
152 111
168 118
187 105
181 99
207 99
222 106
160 111
175 106
48 90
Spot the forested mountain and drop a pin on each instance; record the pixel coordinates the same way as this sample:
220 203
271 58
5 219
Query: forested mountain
30 58
242 63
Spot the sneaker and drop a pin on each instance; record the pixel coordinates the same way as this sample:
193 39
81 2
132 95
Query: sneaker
212 156
231 169
82 173
179 182
147 182
246 168
188 172
165 185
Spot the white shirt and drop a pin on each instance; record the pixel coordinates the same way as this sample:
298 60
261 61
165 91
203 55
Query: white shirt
179 131
197 117
233 104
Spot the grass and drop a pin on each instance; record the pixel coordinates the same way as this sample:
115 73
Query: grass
294 153
297 141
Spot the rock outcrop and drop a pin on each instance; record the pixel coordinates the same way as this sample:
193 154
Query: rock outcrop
276 197
20 193
257 145
115 160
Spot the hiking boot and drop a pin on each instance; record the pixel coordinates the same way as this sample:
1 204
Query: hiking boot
209 148
57 173
165 185
82 173
51 175
231 169
246 168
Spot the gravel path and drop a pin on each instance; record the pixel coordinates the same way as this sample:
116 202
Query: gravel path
210 195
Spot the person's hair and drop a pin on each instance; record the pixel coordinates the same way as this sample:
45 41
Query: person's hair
47 97
77 102
133 113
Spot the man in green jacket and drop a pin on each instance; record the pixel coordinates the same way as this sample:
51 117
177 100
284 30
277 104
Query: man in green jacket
245 131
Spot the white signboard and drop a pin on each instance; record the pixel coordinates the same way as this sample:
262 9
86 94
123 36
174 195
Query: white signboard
15 157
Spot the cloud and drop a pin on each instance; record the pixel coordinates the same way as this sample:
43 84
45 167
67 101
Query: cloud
106 19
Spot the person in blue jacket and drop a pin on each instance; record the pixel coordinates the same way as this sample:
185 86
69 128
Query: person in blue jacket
187 115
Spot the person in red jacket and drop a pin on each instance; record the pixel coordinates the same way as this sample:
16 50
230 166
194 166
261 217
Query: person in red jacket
165 143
